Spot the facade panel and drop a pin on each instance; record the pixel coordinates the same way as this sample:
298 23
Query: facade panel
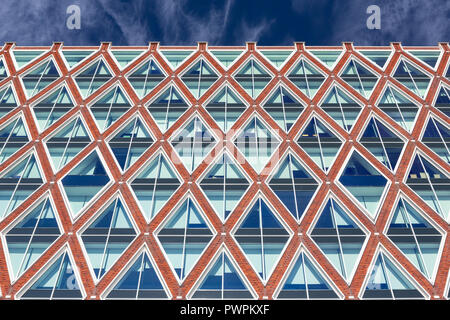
207 172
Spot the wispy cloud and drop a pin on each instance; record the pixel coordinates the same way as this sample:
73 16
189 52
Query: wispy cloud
252 32
230 22
181 25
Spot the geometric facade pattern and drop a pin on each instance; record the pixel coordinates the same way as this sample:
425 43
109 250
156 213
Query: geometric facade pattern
203 172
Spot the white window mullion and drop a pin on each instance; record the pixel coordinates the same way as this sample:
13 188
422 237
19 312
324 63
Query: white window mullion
133 134
386 275
224 203
440 136
322 158
158 172
340 106
223 276
31 238
341 253
306 78
382 144
263 260
284 109
59 275
431 186
305 279
291 175
146 77
169 101
186 224
40 77
67 144
93 77
398 108
9 135
141 270
17 186
107 238
408 221
110 107
53 107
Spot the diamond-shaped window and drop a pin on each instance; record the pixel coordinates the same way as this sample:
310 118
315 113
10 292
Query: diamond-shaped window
222 281
110 107
140 281
52 107
431 184
364 182
283 108
262 238
306 77
73 57
130 142
199 78
437 138
320 143
93 77
257 143
415 237
145 77
155 185
167 108
125 57
184 237
384 144
7 100
339 237
58 282
401 109
225 107
359 78
224 185
253 78
327 57
18 183
84 181
226 57
13 136
67 143
305 281
32 236
387 281
343 108
378 56
40 77
412 77
193 143
107 237
443 100
293 185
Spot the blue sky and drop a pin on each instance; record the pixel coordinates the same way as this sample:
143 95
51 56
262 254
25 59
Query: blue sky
228 22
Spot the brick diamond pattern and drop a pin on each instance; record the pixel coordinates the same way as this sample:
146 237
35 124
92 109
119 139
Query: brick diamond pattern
419 176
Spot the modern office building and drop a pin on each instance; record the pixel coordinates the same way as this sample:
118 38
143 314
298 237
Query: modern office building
211 172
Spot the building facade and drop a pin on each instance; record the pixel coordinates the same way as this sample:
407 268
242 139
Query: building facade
208 172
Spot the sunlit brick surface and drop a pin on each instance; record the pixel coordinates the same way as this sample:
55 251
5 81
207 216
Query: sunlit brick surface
224 172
